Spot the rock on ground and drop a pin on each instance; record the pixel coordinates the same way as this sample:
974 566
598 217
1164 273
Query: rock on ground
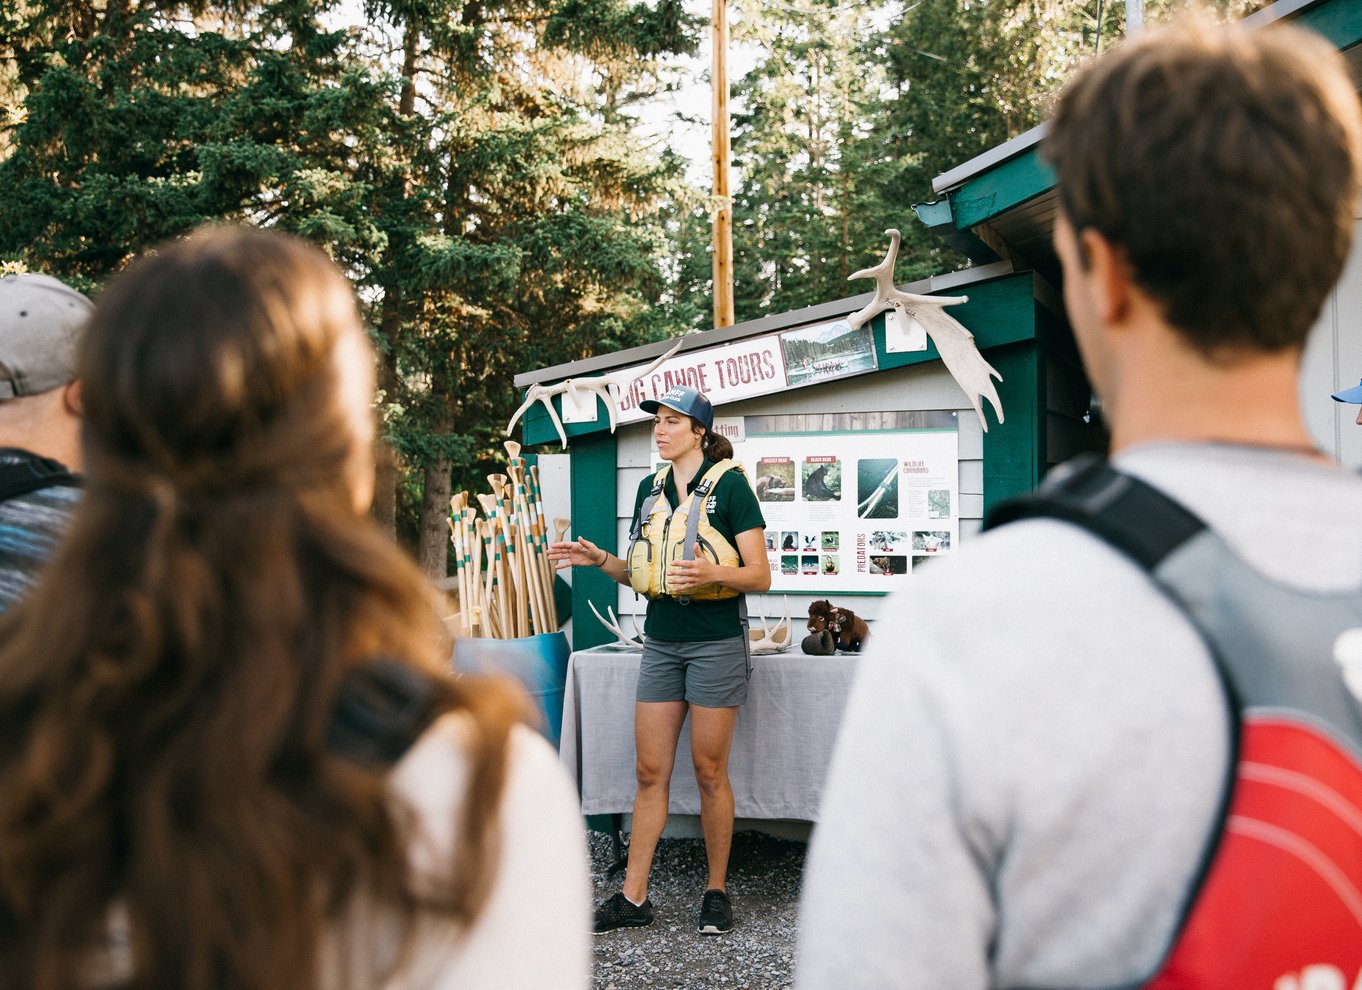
670 954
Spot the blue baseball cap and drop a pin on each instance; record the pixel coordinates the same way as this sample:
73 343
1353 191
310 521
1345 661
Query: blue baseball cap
1353 395
690 402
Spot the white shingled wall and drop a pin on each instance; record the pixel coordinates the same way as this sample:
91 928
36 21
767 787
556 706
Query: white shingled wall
1333 360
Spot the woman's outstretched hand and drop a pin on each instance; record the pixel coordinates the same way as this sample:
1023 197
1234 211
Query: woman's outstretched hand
580 552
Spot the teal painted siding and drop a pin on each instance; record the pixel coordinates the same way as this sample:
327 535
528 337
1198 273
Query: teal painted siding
536 427
998 312
1002 188
593 516
1015 451
1340 22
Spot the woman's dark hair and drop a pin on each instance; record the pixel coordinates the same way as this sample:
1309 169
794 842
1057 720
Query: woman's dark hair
167 689
715 447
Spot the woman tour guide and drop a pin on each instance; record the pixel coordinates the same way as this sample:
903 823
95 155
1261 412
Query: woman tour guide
694 558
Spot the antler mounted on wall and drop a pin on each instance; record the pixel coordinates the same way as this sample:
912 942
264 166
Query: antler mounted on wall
953 342
607 387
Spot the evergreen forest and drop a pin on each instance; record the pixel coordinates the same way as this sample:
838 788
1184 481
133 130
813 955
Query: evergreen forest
491 174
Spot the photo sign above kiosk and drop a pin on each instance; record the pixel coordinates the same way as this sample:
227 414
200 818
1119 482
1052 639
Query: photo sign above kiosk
748 368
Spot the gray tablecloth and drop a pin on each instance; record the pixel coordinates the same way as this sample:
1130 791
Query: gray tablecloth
781 746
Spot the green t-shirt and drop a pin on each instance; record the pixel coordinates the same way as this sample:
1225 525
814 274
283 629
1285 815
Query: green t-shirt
733 508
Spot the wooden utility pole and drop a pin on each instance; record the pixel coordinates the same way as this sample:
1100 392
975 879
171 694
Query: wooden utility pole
1134 17
723 213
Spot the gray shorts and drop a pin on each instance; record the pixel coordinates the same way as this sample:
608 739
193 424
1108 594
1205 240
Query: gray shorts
710 674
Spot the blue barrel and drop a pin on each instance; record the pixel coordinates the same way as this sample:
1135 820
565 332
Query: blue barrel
539 663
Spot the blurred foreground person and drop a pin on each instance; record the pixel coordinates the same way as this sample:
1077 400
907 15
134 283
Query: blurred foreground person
1122 749
231 757
42 321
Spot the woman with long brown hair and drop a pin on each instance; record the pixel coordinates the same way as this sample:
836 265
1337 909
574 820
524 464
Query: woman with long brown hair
231 758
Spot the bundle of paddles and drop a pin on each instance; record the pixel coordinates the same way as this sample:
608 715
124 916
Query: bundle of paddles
833 628
503 573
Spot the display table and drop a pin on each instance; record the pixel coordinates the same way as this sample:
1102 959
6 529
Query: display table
781 746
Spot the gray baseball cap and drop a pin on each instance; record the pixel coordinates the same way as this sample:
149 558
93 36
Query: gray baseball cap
41 323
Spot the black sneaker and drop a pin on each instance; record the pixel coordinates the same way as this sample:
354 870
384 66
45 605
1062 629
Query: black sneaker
716 913
620 912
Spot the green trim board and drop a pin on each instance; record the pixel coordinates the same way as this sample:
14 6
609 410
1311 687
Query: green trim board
595 493
998 312
1015 450
935 215
1054 335
536 427
940 221
1339 22
1001 188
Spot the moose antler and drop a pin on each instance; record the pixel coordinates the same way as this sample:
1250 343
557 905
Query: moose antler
953 342
613 624
607 387
776 640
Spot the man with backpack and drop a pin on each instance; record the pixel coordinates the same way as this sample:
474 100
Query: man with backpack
41 323
1113 743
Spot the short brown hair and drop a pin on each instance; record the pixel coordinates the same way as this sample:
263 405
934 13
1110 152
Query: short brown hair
1224 163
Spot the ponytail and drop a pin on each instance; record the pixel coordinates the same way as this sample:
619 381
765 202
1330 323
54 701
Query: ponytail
715 447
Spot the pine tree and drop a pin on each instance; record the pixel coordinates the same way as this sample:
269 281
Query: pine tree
856 105
134 123
526 230
470 165
798 150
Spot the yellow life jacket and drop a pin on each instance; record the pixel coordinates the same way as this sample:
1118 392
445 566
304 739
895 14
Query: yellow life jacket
662 535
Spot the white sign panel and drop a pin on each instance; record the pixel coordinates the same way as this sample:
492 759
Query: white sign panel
902 332
853 511
758 366
739 370
731 428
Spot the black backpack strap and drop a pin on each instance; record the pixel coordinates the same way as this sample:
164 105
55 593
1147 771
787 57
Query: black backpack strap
31 473
1146 525
1132 516
383 708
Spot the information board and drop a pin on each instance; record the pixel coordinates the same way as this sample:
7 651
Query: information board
849 512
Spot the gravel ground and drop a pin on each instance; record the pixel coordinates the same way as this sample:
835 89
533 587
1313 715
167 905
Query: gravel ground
670 954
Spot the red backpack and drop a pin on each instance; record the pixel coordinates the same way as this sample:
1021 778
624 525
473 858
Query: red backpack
1277 904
